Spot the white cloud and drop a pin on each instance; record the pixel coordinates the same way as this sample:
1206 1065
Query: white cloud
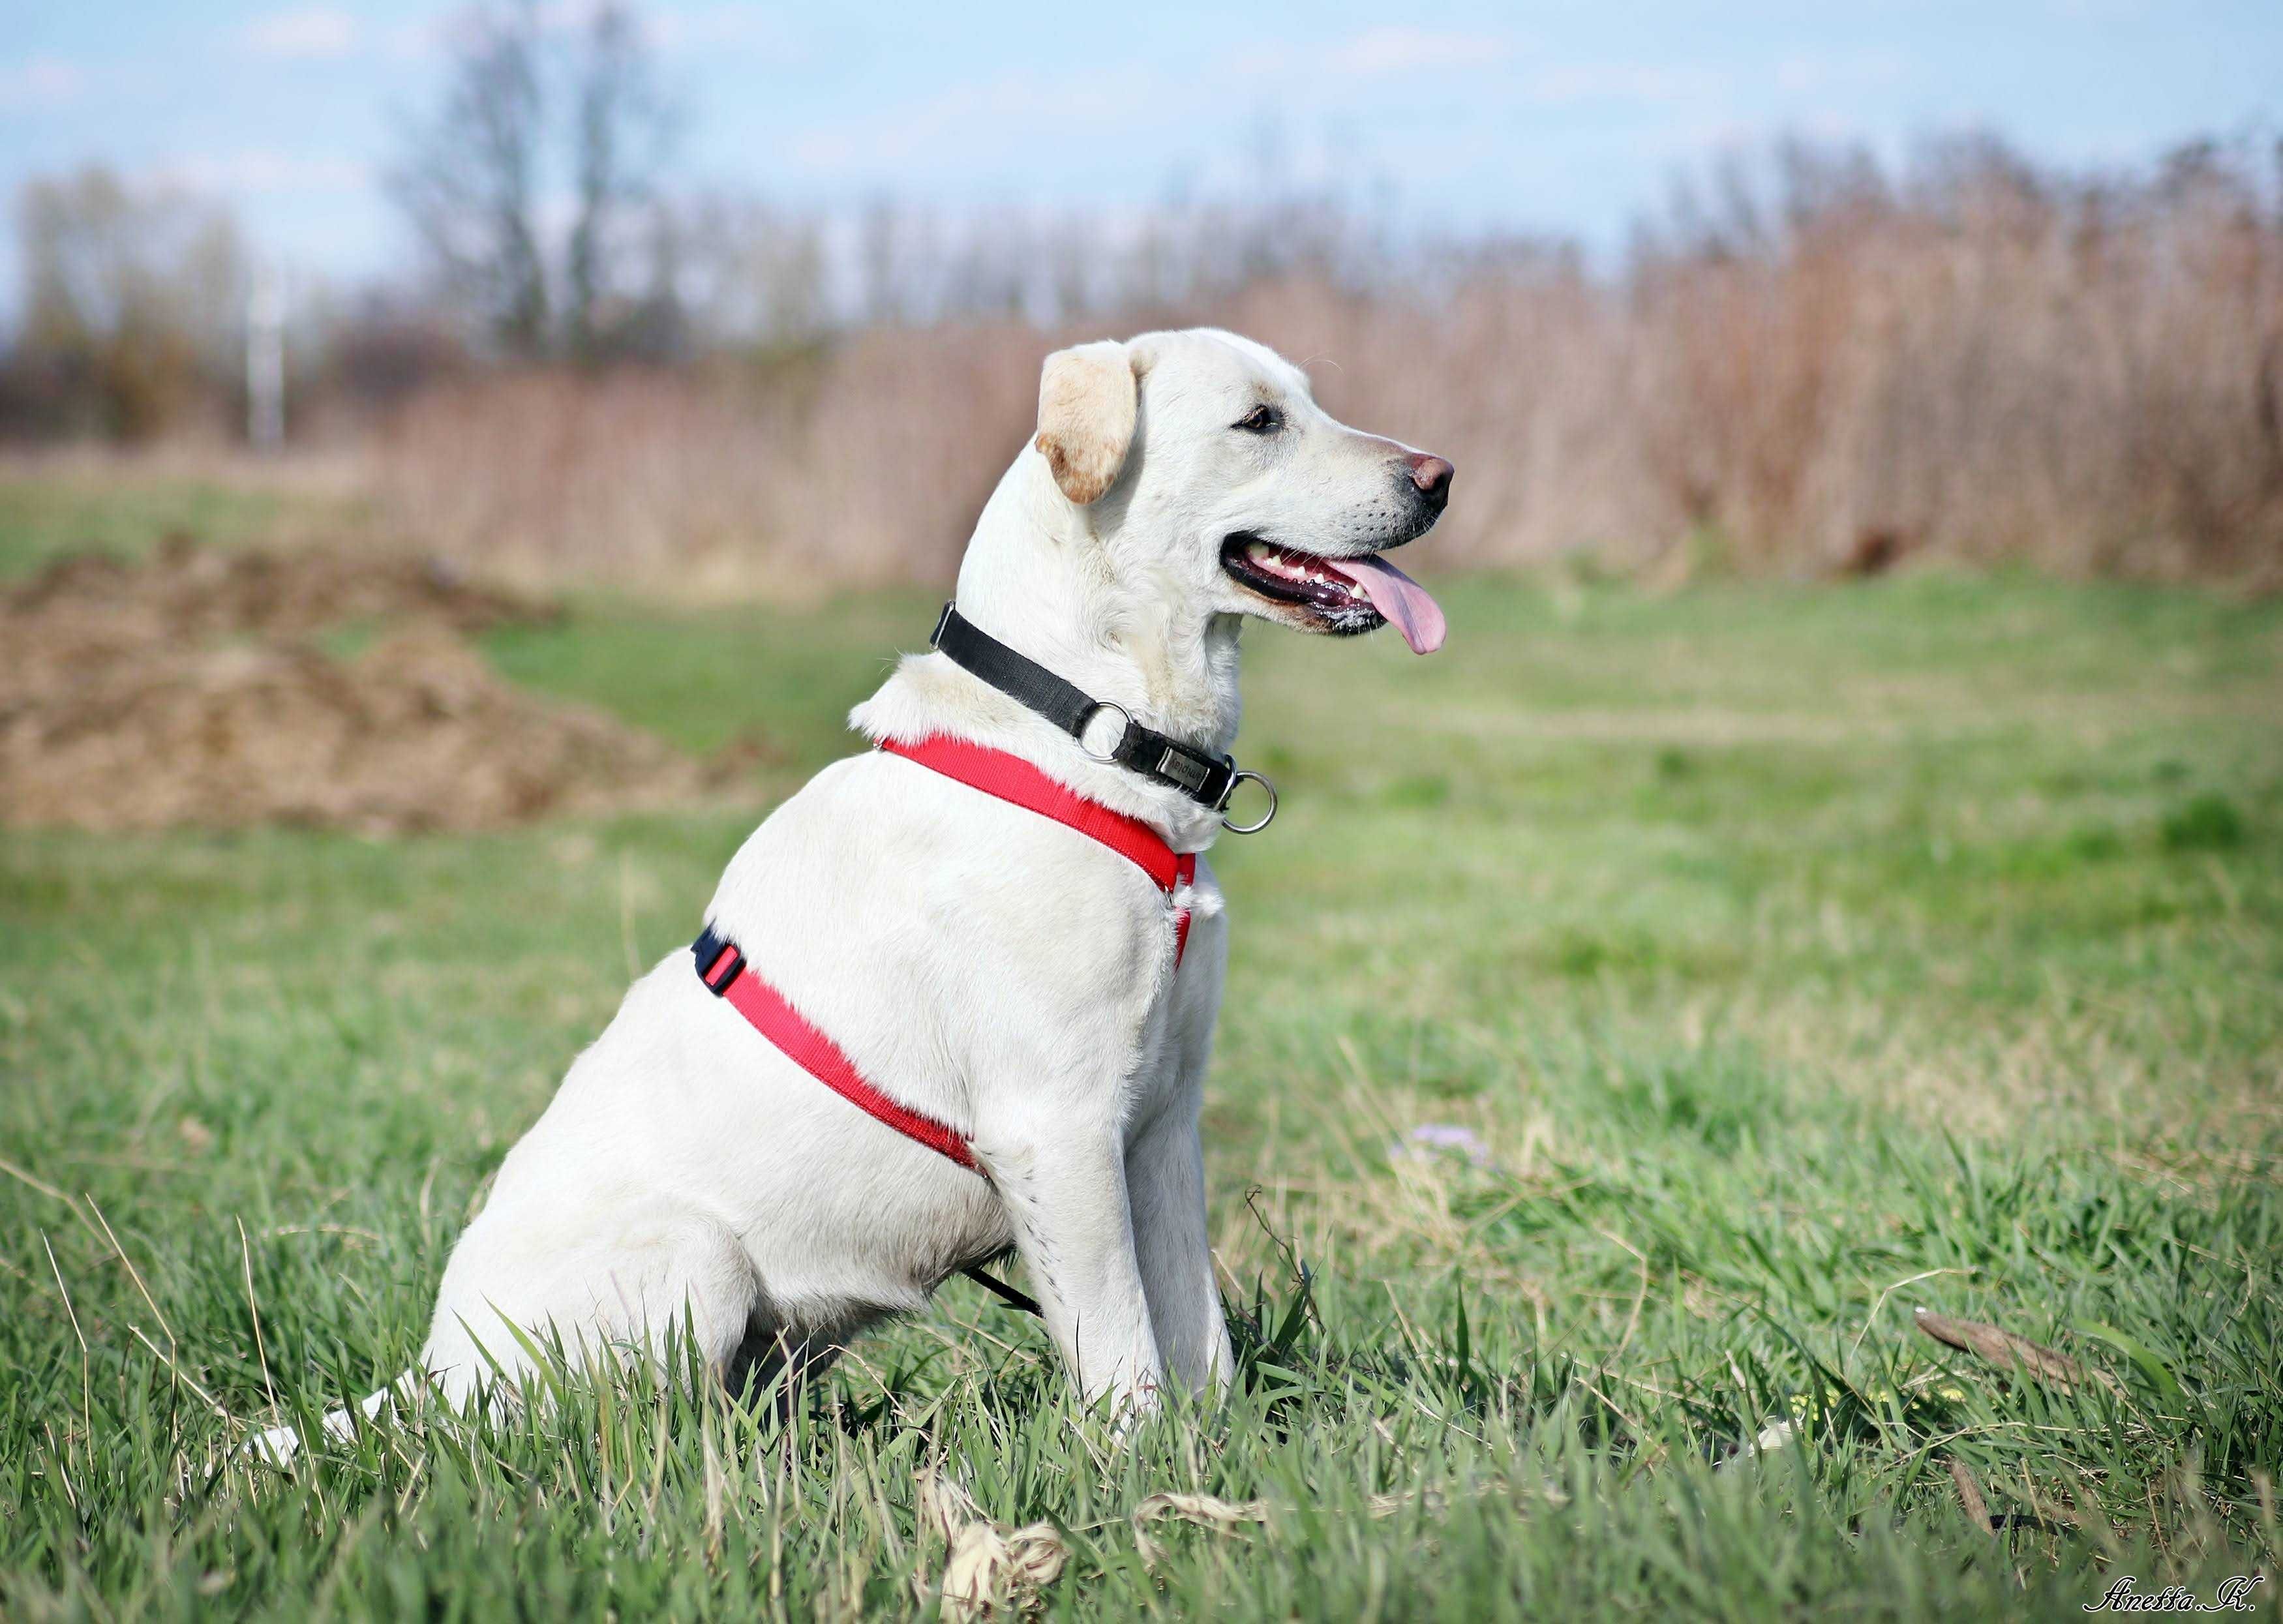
309 34
261 171
1008 112
44 82
1014 111
1386 51
1808 74
1648 84
421 41
737 26
731 26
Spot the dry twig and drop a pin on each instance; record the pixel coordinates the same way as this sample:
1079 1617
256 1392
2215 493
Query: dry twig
2003 1349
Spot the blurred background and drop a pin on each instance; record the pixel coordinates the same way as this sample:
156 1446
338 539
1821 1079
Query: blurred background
328 315
749 297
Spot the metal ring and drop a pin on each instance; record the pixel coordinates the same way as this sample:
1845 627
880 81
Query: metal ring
1125 717
1267 818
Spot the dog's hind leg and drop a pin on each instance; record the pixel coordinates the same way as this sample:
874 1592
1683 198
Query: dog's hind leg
643 1283
774 1364
505 1300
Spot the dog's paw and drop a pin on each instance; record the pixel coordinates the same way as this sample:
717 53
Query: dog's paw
276 1446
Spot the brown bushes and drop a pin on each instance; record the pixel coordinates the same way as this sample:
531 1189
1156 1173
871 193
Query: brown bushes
859 466
1980 362
1994 368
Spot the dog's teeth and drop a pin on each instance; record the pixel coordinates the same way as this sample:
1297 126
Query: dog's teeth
1257 552
1355 591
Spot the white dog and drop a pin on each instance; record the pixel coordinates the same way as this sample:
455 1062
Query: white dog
1009 982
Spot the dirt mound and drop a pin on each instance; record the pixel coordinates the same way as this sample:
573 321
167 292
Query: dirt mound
185 692
96 609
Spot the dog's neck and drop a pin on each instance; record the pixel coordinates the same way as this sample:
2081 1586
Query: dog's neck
1044 577
1047 578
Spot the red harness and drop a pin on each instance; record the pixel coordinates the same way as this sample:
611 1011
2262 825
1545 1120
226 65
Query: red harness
724 970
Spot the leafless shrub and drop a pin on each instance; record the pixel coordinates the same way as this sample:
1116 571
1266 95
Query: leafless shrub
473 180
130 304
1828 368
859 466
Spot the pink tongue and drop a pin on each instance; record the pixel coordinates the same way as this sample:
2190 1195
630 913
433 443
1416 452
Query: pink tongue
1402 600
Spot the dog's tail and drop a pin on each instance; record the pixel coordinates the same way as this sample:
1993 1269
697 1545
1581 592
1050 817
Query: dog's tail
280 1445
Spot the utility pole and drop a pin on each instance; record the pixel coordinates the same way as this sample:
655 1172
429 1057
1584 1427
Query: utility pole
265 361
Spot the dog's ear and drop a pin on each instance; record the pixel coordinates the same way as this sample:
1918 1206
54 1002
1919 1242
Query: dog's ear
1086 399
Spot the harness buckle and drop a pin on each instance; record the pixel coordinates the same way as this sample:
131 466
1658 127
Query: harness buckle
718 961
935 638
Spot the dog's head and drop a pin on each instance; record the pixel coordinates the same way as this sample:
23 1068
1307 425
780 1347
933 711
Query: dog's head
1205 465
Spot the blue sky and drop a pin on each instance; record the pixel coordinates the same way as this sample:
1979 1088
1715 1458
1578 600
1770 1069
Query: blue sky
1560 116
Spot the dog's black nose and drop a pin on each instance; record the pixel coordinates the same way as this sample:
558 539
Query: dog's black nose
1431 477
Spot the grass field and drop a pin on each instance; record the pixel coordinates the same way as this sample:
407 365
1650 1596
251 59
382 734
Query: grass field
1766 961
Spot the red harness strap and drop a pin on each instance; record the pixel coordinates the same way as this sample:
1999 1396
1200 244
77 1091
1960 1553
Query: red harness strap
725 973
815 1054
1010 778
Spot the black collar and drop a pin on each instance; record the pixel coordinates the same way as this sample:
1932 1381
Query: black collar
1207 780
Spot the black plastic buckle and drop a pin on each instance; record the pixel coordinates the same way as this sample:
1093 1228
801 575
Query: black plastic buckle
707 949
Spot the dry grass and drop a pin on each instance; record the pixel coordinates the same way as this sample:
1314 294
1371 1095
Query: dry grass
862 467
1983 364
1832 373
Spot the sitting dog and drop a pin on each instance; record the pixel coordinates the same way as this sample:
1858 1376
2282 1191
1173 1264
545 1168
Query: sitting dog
956 997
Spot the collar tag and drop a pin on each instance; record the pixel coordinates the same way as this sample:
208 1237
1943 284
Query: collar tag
1185 770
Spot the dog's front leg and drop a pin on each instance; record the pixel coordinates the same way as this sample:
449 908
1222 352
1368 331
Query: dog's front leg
1165 1177
1065 1187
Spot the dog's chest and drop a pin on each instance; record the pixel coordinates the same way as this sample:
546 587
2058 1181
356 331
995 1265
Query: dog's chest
959 948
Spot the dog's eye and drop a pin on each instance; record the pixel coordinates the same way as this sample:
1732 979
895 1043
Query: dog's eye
1261 420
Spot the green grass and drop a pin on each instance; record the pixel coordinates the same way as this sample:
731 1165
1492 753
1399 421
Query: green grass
125 514
1797 956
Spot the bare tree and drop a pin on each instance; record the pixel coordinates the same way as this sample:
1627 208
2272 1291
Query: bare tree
623 126
468 181
747 275
131 299
475 180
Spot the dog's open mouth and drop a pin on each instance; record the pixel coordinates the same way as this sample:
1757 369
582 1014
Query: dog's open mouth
1343 594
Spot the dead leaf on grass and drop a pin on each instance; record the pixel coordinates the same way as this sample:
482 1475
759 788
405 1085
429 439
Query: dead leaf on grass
989 1572
2002 1347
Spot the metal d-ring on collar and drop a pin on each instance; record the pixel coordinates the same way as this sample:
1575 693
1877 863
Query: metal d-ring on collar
1267 818
1125 724
1210 780
1236 776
